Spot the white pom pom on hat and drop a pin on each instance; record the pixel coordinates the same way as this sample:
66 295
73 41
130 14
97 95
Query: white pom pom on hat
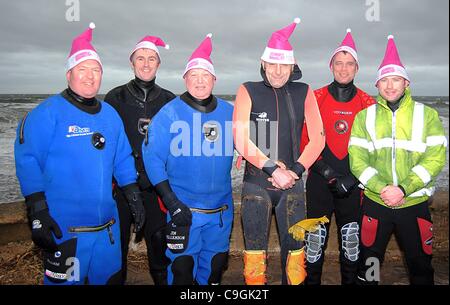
82 49
201 57
348 45
391 64
278 49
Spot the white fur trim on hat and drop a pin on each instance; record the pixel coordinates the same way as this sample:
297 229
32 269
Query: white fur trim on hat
276 56
81 56
145 45
199 63
347 49
390 70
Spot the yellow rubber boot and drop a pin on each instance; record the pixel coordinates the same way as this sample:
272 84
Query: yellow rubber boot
296 267
255 267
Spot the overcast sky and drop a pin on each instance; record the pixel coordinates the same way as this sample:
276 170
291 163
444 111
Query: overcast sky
36 39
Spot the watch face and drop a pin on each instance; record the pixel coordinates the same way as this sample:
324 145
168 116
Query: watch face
98 140
341 126
143 125
211 131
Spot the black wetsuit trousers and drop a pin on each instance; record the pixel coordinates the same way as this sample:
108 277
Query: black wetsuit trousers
412 228
153 233
256 211
320 201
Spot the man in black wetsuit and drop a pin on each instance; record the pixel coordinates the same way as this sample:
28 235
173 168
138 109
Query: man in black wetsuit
268 120
137 102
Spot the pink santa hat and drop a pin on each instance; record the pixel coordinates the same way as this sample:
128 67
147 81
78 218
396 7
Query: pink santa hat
391 64
279 50
200 58
82 49
347 45
150 42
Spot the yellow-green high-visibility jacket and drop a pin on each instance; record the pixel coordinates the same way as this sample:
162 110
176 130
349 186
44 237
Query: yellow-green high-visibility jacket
402 148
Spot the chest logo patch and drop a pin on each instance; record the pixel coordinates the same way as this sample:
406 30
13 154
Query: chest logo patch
211 131
341 126
77 131
261 116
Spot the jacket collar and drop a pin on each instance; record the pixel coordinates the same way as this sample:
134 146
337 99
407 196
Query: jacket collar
404 102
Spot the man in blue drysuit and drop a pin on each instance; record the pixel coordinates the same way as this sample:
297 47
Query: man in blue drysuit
67 151
188 157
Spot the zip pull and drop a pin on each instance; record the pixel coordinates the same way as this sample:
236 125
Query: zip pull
146 137
22 127
221 220
111 238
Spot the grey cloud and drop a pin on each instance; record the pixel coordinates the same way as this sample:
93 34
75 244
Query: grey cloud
36 39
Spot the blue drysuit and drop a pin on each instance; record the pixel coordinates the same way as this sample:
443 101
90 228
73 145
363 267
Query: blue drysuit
54 154
193 150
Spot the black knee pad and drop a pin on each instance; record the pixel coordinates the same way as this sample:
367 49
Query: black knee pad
182 270
218 265
256 212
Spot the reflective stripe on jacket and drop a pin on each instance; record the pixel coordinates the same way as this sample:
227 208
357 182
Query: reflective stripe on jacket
406 147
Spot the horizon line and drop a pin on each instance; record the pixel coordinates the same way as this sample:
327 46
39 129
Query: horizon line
178 94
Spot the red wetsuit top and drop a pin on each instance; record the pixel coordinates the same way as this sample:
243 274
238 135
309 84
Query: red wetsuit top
337 118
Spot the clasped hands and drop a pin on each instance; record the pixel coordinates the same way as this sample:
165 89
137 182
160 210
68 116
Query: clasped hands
283 178
392 196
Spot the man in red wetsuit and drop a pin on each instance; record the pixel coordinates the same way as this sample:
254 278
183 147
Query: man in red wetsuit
331 187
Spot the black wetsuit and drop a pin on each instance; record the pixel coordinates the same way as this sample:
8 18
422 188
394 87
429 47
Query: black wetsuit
137 102
338 105
285 108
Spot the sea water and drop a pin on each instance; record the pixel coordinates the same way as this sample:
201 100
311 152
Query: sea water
14 106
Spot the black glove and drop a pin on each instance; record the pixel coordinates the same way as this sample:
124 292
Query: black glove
134 199
341 186
324 170
181 215
42 224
